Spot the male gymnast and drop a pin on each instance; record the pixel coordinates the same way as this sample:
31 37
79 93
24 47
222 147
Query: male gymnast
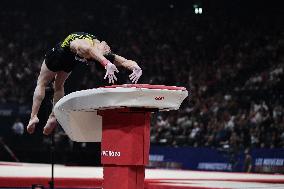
78 47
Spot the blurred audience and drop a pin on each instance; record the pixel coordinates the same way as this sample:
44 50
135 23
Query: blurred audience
18 127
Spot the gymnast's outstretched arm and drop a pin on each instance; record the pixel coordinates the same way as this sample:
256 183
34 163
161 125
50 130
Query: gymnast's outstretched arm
131 65
84 49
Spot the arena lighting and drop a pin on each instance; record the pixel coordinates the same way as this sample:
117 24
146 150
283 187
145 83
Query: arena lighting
200 10
197 9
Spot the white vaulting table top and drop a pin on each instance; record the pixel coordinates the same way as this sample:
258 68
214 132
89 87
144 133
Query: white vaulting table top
77 112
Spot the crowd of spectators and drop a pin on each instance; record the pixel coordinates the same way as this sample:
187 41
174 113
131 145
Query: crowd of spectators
230 62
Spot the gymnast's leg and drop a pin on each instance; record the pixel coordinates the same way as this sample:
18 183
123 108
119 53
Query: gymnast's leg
44 78
59 81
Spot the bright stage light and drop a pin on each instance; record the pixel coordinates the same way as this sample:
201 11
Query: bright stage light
197 9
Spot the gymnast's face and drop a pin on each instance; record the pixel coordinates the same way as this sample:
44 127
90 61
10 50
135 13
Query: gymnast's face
102 46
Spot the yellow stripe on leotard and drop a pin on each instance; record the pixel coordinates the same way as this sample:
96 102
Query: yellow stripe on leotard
66 42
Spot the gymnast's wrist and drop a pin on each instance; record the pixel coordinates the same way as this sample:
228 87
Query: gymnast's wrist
134 66
105 62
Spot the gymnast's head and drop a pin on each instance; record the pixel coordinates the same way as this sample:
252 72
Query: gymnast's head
102 46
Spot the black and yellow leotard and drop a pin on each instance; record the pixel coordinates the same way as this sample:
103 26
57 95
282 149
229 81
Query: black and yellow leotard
61 58
65 44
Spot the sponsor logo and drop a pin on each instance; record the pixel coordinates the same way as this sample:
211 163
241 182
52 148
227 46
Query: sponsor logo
155 157
215 166
4 112
110 153
269 162
159 98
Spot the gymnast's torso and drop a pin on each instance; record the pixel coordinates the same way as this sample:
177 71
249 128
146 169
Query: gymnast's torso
61 58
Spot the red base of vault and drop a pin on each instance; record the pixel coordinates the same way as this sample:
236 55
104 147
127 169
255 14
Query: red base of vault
125 147
124 177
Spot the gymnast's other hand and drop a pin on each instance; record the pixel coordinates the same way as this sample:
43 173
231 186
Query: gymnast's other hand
110 70
136 74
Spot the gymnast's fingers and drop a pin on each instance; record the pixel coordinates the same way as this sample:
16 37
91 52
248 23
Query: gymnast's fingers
115 78
106 75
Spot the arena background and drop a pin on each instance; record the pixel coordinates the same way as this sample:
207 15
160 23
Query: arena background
228 54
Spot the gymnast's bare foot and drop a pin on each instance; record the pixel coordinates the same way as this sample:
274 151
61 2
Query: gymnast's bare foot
32 123
51 124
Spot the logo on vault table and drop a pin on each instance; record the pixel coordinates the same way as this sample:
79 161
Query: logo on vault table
109 153
159 98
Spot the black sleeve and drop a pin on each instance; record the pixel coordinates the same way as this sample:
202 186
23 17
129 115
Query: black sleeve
110 56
